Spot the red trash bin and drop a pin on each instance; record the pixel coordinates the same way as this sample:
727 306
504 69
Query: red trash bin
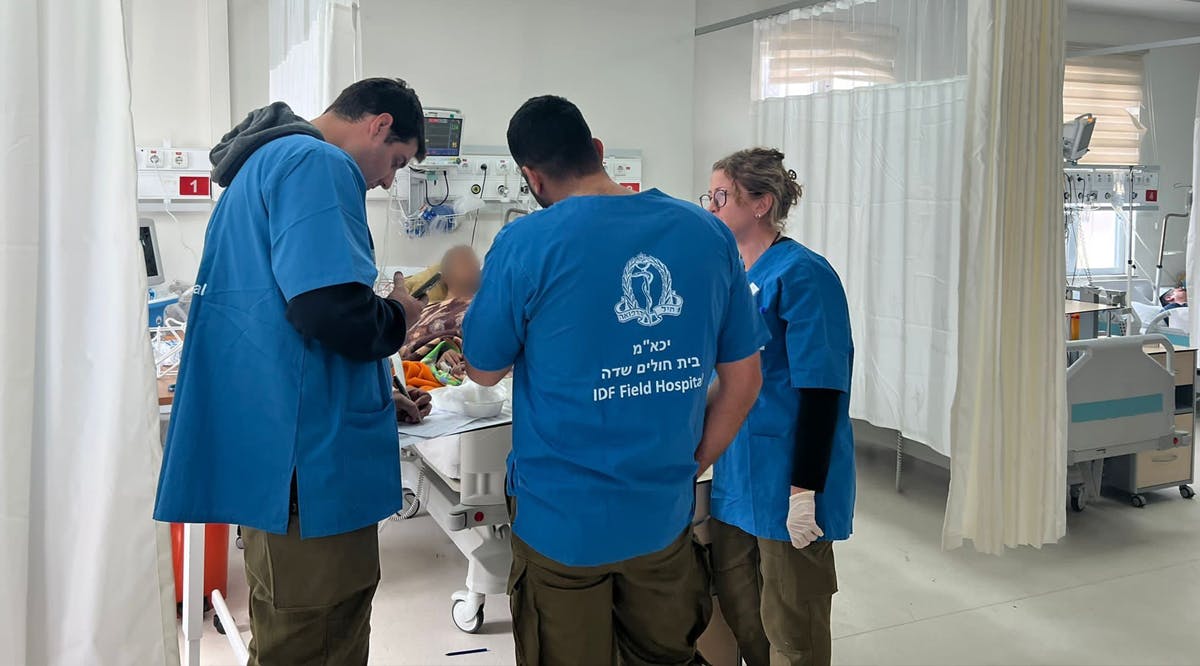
216 559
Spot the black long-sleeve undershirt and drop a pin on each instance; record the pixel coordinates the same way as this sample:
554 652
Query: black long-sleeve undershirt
815 428
350 320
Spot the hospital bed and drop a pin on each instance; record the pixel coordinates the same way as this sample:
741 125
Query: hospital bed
460 482
1120 402
1174 323
1129 402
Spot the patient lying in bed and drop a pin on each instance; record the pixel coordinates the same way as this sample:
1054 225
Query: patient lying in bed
439 328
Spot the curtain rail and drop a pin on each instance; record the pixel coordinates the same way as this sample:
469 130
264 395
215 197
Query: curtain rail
754 16
1115 50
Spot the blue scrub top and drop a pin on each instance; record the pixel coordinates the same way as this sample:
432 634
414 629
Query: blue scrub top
254 400
614 311
804 306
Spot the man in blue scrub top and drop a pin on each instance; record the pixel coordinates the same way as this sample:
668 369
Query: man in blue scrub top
284 419
784 491
613 309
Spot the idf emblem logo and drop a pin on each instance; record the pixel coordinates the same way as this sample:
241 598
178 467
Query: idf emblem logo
646 290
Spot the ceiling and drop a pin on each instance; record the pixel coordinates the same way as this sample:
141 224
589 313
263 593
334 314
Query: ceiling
1163 10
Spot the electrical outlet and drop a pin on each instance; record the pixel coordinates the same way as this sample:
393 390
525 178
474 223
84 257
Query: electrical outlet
152 158
179 159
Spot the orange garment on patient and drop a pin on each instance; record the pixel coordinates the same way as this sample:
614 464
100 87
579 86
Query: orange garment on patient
419 375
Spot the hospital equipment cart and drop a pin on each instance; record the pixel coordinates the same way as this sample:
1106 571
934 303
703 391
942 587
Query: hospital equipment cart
1147 471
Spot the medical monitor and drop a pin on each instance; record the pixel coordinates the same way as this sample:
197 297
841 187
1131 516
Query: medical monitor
443 135
149 240
1077 136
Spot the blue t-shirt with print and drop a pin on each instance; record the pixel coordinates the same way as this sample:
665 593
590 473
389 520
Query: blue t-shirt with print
613 311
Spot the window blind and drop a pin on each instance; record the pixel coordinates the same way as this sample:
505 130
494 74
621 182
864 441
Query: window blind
1110 88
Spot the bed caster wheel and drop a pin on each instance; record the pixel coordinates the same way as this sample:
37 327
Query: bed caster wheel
467 611
1138 501
239 542
463 620
1187 492
217 625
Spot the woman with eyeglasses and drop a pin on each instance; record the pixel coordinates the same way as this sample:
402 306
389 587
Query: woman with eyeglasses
784 490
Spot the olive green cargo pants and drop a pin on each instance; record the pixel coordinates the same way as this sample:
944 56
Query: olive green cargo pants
310 599
646 610
776 599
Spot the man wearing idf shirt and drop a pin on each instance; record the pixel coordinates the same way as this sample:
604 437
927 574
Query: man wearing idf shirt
612 309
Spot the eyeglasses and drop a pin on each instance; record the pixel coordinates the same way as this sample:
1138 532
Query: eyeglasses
719 197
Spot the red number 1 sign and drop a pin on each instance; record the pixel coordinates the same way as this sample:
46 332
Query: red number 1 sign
193 186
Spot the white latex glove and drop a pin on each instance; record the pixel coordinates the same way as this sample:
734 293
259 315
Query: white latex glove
802 519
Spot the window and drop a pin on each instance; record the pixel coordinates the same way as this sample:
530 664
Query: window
1110 88
1095 243
819 55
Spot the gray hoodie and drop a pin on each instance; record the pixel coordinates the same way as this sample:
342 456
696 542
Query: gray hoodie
259 128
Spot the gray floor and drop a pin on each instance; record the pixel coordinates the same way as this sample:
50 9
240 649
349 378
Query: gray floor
1120 589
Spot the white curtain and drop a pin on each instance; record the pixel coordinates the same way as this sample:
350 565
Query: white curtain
929 149
81 579
1008 462
314 50
868 100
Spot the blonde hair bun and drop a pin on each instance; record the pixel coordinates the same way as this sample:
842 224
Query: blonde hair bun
757 172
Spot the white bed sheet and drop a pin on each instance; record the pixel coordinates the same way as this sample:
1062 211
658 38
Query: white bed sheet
438 424
438 443
1180 319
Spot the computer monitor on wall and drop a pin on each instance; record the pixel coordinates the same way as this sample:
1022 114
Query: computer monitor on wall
149 240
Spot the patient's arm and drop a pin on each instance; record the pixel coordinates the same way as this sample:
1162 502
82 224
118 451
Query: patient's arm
729 402
487 378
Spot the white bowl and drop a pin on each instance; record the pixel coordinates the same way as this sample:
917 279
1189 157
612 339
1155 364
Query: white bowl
483 410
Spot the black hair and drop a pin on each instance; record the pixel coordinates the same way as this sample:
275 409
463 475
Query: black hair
383 95
548 133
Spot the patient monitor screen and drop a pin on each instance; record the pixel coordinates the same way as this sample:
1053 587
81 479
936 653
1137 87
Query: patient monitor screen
443 136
